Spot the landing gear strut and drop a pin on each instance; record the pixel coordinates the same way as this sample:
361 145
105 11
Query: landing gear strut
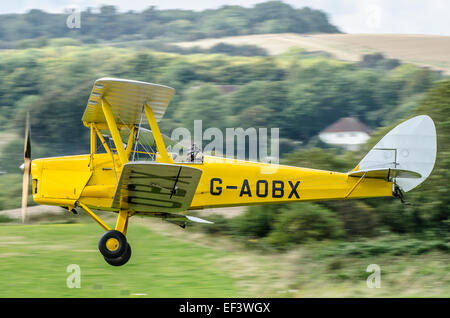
113 243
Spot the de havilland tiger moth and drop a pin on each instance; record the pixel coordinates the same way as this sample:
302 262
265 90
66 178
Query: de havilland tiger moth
116 178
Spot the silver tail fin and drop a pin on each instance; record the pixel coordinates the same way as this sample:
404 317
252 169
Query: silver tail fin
405 155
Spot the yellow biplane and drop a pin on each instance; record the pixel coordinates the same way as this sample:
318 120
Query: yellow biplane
114 178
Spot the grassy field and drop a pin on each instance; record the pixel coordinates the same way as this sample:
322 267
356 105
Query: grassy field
34 259
423 50
170 262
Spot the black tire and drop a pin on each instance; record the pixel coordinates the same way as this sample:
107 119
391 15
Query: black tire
121 260
121 248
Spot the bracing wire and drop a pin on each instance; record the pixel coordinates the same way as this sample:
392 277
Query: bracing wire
137 135
114 163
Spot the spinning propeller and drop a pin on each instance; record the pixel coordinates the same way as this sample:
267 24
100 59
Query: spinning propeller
26 168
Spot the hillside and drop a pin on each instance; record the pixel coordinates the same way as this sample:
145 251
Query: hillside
423 50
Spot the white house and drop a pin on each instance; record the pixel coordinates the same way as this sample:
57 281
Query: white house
347 132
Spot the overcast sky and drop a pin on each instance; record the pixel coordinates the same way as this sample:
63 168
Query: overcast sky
351 16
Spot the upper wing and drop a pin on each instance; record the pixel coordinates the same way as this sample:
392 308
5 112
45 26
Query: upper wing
156 187
126 98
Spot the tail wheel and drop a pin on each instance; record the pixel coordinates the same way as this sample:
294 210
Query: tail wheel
121 260
112 244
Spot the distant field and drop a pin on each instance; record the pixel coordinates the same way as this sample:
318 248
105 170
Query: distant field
424 50
170 262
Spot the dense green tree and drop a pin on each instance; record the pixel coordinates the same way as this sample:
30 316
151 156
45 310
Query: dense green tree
108 23
204 103
266 70
271 94
257 221
302 222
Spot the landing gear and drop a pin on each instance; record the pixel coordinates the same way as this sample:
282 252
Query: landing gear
113 244
121 260
114 247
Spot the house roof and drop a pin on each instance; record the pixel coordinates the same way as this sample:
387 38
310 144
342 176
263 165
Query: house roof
346 124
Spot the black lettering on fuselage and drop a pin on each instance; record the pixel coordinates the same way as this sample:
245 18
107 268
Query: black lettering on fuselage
261 189
277 189
215 190
294 190
245 189
262 193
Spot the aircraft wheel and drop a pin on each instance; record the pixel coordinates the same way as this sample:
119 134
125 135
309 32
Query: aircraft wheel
121 260
112 244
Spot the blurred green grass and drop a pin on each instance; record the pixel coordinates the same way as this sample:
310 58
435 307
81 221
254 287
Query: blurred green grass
170 262
34 259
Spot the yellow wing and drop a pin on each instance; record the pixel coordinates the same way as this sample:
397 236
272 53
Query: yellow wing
126 98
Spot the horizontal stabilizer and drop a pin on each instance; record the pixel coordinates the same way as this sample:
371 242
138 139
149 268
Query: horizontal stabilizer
387 174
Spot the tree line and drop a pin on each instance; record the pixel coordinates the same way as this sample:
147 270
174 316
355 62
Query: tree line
108 24
295 92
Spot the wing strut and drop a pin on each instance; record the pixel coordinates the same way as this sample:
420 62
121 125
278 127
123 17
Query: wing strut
112 126
165 158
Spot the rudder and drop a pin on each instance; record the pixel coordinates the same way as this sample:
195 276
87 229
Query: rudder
408 152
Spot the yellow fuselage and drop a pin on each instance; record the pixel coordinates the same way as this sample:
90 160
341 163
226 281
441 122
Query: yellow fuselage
92 180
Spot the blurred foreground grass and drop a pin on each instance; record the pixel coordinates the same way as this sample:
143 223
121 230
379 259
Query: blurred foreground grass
170 262
34 258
